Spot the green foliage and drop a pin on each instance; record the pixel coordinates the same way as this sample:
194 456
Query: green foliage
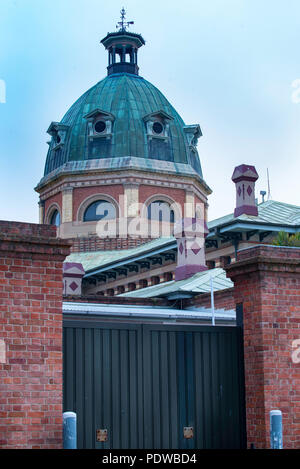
284 239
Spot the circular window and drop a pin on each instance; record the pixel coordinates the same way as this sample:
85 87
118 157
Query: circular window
100 126
157 128
58 139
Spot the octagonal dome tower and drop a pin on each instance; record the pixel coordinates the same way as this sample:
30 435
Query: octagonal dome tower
121 143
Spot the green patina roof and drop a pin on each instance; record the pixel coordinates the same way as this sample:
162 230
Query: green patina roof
129 98
97 259
269 212
198 283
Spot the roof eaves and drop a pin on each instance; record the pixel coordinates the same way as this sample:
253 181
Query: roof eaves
265 209
132 257
259 225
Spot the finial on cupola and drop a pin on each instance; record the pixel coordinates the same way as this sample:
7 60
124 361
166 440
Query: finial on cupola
122 47
122 25
244 177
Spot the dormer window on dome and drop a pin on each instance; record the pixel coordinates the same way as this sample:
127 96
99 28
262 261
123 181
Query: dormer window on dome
193 133
58 133
99 133
122 47
100 124
157 125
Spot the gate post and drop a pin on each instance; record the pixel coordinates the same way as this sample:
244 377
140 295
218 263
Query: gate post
267 283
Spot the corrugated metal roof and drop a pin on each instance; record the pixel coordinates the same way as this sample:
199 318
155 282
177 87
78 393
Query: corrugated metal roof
198 283
153 312
270 211
97 259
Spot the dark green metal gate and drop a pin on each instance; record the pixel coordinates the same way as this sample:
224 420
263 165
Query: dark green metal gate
152 385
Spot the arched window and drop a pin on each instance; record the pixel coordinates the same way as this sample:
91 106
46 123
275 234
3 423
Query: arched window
55 218
99 210
161 211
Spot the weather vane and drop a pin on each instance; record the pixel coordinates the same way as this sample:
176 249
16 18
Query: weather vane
123 24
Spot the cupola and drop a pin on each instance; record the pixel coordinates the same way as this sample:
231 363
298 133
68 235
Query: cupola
122 47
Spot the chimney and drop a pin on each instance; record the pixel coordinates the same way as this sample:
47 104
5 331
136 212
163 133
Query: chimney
244 177
190 235
72 278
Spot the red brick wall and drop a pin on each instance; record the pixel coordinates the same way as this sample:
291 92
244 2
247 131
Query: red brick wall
178 195
223 299
31 327
82 193
267 282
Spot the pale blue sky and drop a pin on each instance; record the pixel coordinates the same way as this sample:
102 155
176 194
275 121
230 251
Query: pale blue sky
225 64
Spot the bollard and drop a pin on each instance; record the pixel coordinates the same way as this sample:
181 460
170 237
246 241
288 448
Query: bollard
70 434
276 429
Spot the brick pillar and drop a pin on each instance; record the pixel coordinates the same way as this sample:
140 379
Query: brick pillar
31 260
267 283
